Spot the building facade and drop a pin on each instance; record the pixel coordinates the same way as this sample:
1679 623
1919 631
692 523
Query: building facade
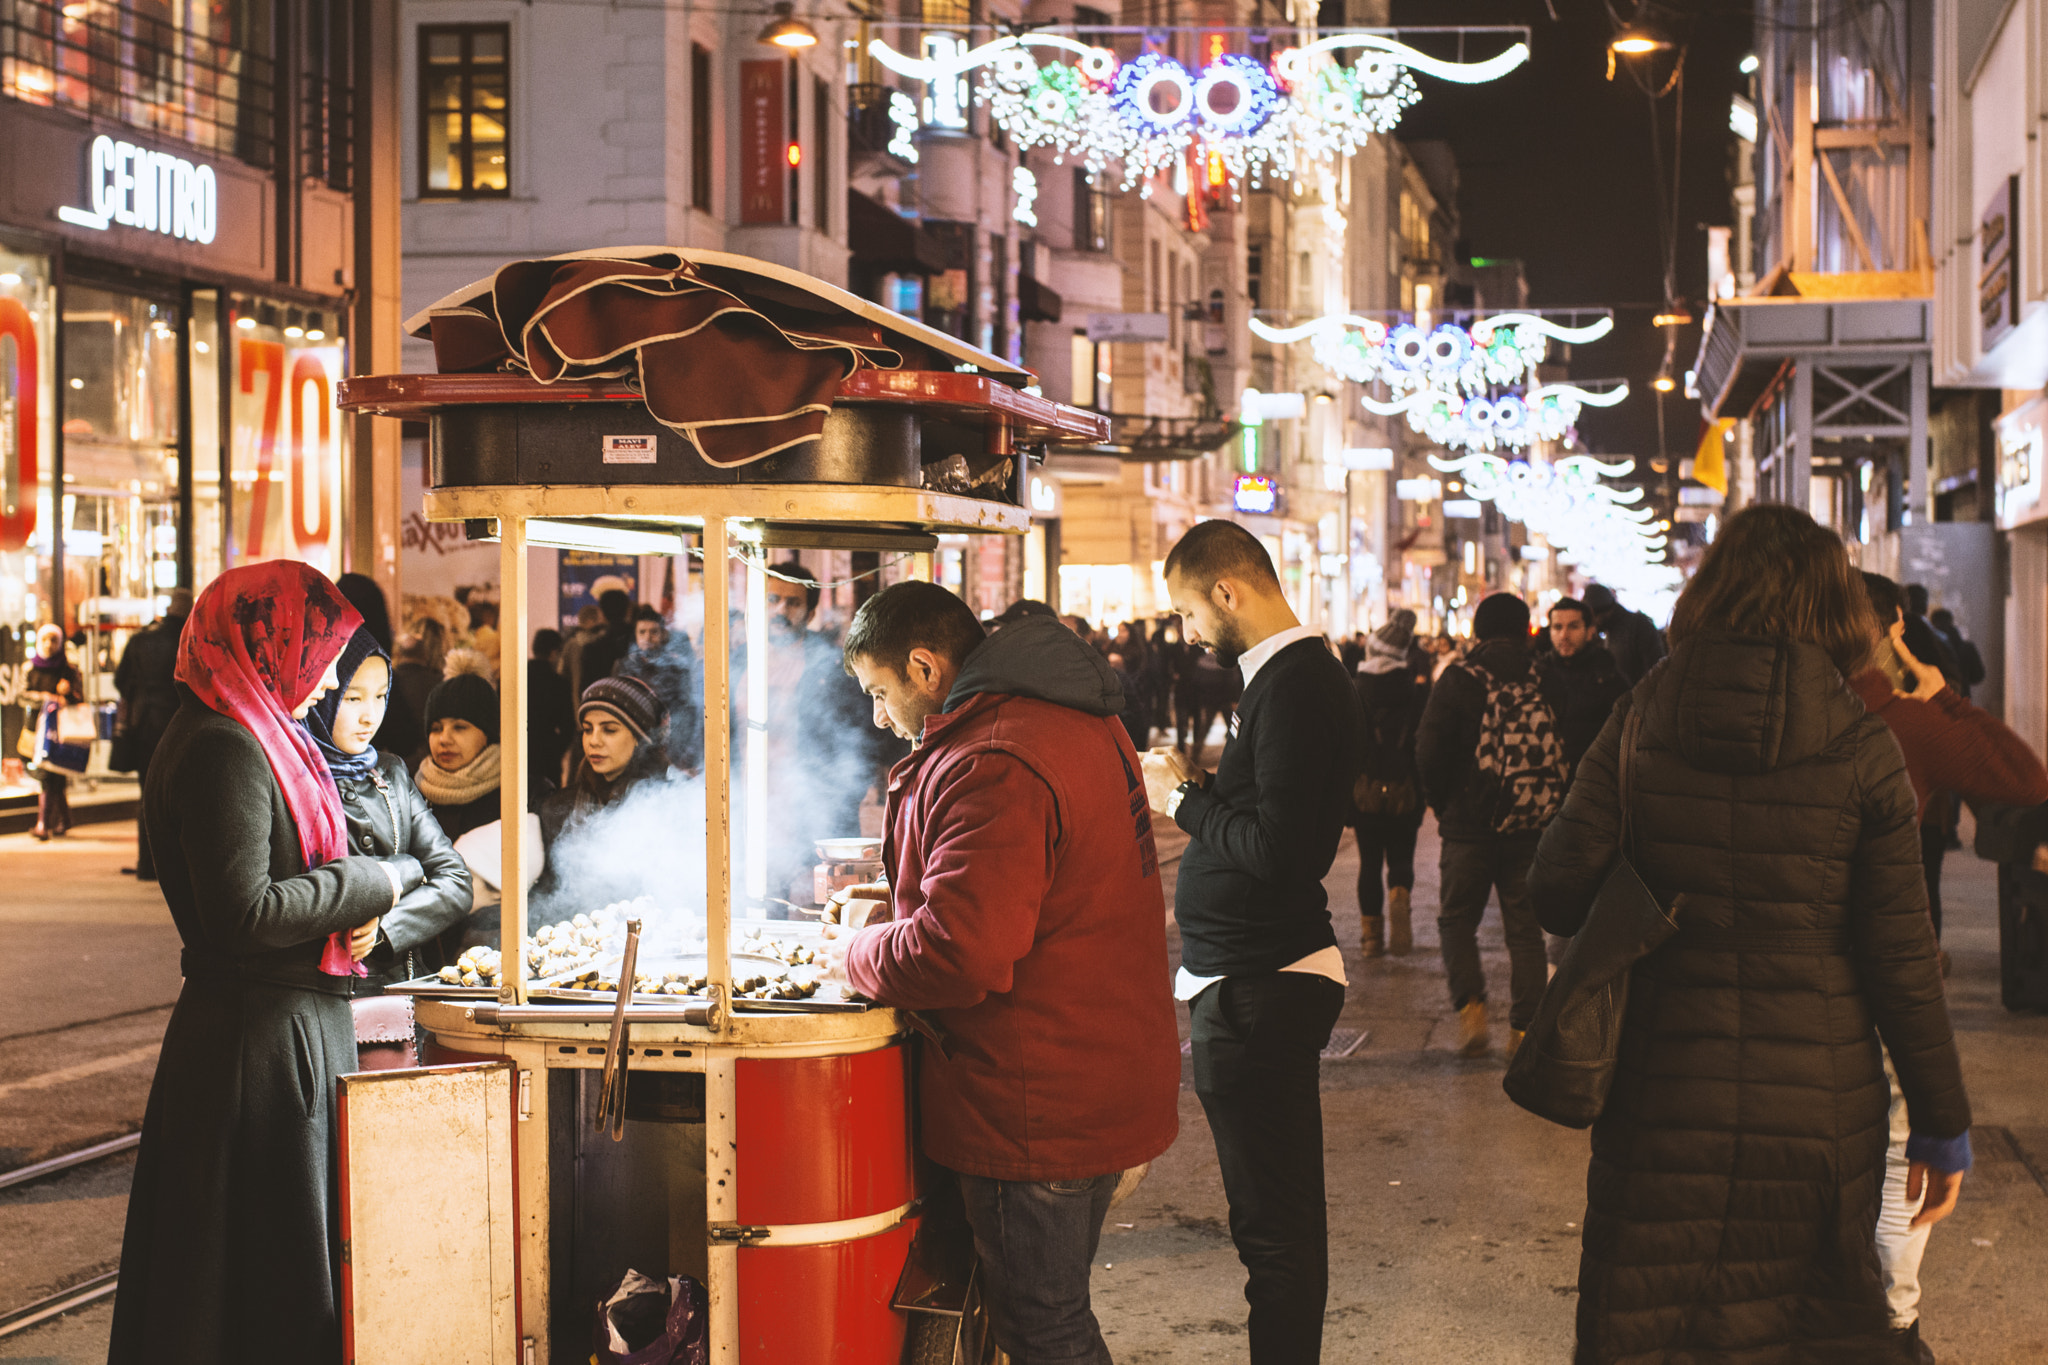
179 283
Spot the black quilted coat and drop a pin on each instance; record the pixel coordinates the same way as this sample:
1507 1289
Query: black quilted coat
1733 1191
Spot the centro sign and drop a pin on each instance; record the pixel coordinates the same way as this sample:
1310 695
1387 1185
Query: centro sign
147 190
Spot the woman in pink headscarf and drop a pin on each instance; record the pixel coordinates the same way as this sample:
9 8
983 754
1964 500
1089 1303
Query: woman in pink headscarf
232 1248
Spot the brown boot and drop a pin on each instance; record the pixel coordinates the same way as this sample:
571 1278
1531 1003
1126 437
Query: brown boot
1370 942
1472 1035
1400 937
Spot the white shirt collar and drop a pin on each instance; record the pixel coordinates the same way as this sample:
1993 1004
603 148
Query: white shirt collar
1256 658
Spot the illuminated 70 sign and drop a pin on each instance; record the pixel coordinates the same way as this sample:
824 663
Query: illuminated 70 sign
152 191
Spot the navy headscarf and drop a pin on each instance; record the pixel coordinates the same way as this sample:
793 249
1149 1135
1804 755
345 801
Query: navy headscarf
362 647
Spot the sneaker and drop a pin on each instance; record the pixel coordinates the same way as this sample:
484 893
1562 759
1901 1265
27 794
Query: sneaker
1400 932
1472 1035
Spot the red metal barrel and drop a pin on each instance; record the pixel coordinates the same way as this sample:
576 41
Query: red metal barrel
824 1140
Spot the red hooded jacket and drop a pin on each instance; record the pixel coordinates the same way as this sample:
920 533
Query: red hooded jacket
1029 926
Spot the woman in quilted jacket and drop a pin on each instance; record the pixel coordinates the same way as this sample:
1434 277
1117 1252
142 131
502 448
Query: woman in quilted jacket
1733 1191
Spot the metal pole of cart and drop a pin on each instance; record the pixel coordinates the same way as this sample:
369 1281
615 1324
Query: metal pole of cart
718 773
515 620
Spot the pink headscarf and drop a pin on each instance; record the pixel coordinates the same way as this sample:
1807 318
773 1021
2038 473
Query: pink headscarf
257 643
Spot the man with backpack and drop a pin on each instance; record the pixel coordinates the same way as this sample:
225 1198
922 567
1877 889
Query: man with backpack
1492 769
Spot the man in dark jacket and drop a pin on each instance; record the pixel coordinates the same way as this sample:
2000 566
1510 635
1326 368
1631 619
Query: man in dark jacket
1027 922
600 656
1580 679
1493 775
1632 637
1969 662
667 662
146 679
1260 968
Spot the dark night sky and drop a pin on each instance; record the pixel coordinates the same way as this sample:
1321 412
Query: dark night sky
1557 169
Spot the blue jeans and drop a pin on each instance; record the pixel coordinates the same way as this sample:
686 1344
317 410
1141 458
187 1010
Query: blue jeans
1036 1241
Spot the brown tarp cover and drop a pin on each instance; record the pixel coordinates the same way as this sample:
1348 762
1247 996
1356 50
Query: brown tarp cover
740 375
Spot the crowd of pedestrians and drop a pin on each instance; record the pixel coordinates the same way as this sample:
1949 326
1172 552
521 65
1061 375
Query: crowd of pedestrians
1785 1118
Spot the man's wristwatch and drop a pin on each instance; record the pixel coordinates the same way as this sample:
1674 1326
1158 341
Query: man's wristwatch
1180 794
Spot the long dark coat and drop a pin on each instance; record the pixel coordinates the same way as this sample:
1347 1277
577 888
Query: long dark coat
232 1245
1733 1191
399 820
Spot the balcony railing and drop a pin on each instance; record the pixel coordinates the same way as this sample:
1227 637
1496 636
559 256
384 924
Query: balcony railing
112 62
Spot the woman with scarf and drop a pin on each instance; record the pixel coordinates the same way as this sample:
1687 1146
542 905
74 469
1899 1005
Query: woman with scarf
459 775
51 685
387 814
232 1249
1387 798
624 730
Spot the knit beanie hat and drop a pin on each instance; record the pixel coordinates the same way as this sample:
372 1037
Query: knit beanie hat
1501 615
465 697
632 702
1399 629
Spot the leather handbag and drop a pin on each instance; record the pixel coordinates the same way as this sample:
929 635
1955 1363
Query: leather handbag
1565 1066
384 1032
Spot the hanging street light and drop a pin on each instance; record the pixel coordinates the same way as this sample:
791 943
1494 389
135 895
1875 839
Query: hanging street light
787 31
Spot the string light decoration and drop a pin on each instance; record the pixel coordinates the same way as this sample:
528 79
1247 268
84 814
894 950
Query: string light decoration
1239 118
1457 385
1592 525
1503 349
1487 421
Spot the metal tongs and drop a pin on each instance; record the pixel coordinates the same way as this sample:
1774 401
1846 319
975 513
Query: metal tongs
611 1093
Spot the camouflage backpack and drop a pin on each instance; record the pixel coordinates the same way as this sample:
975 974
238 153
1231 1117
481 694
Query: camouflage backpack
1519 747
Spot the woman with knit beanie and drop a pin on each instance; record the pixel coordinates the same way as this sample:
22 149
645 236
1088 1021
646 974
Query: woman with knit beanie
459 775
624 728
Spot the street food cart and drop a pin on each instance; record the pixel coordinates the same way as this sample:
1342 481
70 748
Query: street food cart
765 1147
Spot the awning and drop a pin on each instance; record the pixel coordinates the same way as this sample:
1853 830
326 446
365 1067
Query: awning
1037 301
885 242
1138 437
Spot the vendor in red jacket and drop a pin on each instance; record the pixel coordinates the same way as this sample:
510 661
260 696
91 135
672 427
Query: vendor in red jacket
1026 922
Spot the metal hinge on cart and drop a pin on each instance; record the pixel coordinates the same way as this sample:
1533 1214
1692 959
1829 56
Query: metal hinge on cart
736 1232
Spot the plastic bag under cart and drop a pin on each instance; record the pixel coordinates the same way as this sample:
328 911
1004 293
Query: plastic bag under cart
646 1321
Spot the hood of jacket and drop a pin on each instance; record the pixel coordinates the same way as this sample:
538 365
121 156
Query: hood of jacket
1746 703
1507 658
1039 657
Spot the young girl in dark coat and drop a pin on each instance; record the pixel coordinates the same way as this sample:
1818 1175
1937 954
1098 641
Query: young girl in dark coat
386 814
232 1249
1732 1198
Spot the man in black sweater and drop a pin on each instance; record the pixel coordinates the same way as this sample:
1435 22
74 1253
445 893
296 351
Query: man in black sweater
1260 968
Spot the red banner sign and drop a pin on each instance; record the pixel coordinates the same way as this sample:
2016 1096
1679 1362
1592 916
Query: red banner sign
19 446
764 178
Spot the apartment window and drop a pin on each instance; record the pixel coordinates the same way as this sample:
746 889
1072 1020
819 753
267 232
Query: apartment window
1091 213
1254 273
700 127
465 107
821 152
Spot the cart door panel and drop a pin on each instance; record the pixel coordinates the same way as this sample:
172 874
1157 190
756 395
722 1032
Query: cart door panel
429 1269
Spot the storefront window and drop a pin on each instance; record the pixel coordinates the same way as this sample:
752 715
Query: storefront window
27 437
209 532
120 455
286 437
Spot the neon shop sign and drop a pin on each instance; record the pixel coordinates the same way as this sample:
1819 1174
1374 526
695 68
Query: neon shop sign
151 191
